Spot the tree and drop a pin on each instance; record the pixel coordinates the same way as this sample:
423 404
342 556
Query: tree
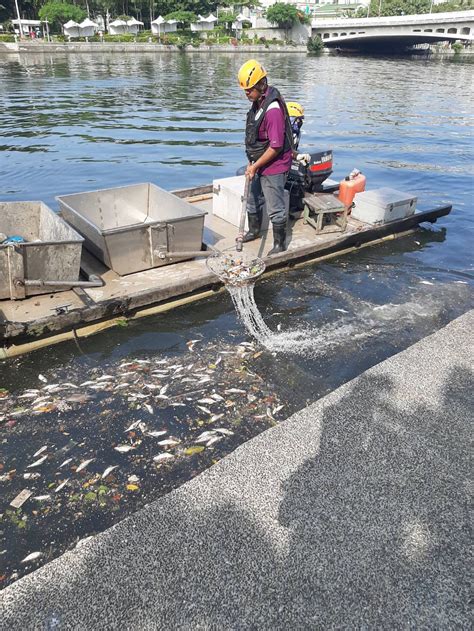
285 16
58 13
184 18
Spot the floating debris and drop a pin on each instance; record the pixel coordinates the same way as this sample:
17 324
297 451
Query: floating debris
21 498
32 557
84 464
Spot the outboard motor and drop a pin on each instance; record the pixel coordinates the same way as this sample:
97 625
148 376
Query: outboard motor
308 178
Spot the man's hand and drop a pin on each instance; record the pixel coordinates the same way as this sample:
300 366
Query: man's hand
304 158
251 171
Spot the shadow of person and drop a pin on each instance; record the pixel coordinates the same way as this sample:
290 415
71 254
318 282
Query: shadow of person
378 520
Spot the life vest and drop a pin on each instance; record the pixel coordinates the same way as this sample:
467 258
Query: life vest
255 148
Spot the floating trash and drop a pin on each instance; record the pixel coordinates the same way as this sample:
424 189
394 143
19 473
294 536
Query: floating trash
129 433
236 268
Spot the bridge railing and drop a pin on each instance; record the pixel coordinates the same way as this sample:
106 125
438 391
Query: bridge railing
424 18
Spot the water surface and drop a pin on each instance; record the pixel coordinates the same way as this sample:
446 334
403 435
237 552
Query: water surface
80 122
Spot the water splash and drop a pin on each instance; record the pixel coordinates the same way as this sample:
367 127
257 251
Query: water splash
366 320
307 341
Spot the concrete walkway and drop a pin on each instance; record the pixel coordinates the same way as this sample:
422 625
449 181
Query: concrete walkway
352 513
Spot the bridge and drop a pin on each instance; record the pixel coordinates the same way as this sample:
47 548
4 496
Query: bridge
395 32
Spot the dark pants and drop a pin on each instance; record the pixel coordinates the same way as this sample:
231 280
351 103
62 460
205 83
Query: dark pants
269 189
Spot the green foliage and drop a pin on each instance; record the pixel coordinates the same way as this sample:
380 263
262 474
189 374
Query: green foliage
184 18
315 44
58 13
410 7
457 47
284 15
7 37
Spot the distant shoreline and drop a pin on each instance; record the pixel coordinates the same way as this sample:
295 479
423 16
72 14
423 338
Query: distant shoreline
36 46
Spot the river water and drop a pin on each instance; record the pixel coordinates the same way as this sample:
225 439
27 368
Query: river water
81 122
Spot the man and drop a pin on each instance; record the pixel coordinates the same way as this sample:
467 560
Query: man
269 149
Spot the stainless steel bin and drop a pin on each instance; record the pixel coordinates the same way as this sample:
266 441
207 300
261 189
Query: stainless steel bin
136 227
51 251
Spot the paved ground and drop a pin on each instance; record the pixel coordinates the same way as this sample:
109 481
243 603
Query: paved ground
352 513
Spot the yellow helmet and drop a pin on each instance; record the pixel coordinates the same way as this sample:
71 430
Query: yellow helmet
250 74
295 109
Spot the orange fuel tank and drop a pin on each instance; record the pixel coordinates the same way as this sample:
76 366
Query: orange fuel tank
352 184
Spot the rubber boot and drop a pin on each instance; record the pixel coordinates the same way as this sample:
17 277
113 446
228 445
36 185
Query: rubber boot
254 228
279 239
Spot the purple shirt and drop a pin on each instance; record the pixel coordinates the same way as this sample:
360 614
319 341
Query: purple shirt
273 129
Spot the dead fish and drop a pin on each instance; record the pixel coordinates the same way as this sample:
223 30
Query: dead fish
151 386
203 409
341 310
65 463
123 448
168 442
32 557
142 427
84 464
148 408
106 378
218 361
142 361
108 471
29 395
225 432
269 414
42 378
425 282
40 450
217 397
214 439
162 457
207 401
204 380
37 463
68 384
87 383
178 405
61 486
126 374
215 417
51 386
41 498
125 364
31 476
277 409
132 426
119 386
235 391
164 389
40 400
162 396
157 433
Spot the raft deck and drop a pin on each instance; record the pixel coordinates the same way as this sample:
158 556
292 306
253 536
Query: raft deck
74 311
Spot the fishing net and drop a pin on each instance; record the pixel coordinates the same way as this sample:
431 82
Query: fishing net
236 268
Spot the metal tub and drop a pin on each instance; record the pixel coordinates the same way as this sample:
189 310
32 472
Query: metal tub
51 252
137 227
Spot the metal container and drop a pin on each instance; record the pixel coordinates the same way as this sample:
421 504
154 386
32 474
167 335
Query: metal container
137 227
50 251
382 205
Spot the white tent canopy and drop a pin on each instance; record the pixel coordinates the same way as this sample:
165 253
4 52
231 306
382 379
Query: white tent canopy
133 25
160 26
117 27
71 29
88 28
204 24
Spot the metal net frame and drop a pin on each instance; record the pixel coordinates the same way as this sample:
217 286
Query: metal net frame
236 268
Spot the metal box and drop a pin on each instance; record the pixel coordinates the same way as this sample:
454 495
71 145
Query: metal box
51 251
227 199
383 205
137 227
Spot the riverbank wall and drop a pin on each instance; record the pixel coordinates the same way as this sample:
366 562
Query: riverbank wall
140 47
